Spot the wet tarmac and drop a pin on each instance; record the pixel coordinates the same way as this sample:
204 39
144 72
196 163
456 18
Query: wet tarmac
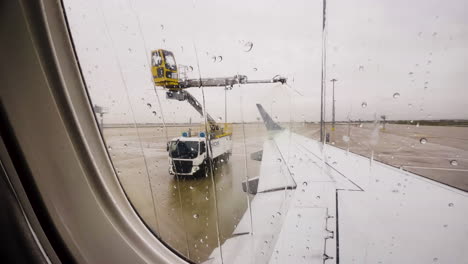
189 213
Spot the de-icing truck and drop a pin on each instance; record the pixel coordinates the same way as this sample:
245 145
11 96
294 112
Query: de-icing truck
191 155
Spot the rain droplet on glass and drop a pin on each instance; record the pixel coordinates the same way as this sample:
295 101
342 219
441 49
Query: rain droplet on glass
396 95
248 46
454 162
364 105
423 141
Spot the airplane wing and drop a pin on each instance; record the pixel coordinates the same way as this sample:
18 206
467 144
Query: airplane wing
317 203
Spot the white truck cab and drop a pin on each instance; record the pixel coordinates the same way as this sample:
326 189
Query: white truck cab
191 155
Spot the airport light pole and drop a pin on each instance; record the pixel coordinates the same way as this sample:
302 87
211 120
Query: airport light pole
333 104
225 102
225 105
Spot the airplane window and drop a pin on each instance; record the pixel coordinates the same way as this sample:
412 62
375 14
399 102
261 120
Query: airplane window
342 139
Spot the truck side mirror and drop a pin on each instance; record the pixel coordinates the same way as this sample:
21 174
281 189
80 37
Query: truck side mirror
167 146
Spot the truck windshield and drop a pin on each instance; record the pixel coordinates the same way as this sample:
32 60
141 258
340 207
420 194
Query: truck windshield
183 149
170 61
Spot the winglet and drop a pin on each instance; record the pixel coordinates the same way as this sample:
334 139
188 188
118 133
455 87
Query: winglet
269 123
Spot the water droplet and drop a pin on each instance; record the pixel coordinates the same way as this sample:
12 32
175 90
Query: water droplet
304 183
149 105
279 160
299 215
109 148
454 162
429 62
364 105
248 46
219 58
317 197
360 125
345 138
434 34
450 204
423 141
195 216
435 259
410 73
361 68
154 113
255 69
220 118
191 187
396 95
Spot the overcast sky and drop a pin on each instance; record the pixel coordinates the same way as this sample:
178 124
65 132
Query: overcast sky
375 49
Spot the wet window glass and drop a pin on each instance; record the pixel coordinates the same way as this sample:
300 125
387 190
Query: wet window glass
170 61
156 59
290 131
184 150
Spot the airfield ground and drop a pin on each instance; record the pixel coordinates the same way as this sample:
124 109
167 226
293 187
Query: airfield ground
188 213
